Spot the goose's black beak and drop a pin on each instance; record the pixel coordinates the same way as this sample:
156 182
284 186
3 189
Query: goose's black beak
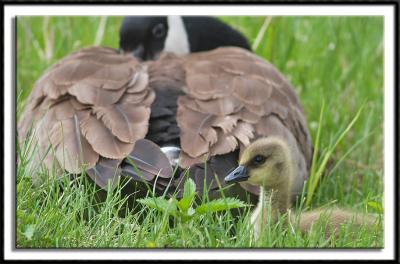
238 175
139 52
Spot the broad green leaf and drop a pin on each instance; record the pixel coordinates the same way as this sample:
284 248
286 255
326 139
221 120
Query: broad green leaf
189 191
220 205
160 204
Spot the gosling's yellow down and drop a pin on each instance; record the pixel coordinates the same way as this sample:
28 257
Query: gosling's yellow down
268 163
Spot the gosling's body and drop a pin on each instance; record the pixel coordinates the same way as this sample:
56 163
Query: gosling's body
335 218
274 174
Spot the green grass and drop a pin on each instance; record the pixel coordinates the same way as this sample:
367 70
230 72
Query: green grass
336 60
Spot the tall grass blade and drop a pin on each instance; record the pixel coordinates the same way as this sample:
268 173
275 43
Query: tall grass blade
311 180
261 33
316 172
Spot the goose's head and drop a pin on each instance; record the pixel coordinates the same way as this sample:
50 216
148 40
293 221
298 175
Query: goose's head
143 36
147 36
266 162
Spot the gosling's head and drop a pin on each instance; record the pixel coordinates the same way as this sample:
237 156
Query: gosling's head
266 162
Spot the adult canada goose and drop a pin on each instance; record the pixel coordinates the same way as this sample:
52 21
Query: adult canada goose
269 163
147 36
95 106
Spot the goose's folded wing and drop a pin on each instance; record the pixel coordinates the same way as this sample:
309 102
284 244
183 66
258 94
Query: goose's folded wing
92 105
228 92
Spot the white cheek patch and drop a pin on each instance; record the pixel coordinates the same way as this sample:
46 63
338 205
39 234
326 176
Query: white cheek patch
177 40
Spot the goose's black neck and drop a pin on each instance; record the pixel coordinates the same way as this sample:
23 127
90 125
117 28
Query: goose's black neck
207 33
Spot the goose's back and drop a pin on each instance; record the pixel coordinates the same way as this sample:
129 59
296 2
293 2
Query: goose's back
232 97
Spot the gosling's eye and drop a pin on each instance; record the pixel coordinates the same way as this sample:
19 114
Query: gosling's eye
259 159
159 31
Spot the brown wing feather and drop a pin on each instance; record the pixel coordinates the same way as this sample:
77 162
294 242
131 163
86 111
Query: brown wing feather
196 130
71 148
149 158
127 122
103 141
105 170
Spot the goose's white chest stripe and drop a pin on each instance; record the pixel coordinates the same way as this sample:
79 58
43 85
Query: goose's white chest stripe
177 40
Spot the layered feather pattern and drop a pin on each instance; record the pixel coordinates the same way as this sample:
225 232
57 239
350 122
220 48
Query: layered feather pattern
230 98
237 89
93 106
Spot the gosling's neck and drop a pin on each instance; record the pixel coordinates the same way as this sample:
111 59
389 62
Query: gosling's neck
277 197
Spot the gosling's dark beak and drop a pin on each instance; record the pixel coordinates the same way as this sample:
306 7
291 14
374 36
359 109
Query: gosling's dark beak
238 175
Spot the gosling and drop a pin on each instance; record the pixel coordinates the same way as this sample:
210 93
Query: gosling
267 163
